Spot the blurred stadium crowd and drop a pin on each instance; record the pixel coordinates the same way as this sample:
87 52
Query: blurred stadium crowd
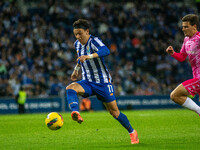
36 44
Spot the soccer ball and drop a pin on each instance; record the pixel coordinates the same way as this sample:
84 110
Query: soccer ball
54 121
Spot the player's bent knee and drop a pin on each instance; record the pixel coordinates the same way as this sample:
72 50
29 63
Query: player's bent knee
173 97
68 87
71 86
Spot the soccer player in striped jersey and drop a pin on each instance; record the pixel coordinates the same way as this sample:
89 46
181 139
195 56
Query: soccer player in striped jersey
96 79
191 47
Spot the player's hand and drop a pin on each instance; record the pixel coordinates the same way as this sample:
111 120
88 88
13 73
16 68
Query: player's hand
83 58
74 75
170 50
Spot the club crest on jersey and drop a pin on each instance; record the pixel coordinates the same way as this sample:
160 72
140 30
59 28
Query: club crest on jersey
88 49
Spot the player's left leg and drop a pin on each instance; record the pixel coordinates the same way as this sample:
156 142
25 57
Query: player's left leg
114 111
105 92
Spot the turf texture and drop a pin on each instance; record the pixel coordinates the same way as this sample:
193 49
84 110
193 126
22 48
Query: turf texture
171 129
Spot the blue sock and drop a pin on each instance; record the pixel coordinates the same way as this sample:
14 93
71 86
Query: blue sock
72 99
125 122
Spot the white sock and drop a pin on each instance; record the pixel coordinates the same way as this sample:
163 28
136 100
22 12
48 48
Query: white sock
190 104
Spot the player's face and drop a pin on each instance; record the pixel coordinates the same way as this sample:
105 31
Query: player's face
82 35
188 29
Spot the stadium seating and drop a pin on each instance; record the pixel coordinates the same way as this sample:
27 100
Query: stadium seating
36 44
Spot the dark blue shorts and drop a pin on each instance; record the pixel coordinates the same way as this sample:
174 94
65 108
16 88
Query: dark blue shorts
104 91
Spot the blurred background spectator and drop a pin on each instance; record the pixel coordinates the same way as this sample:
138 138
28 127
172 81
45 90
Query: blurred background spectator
36 44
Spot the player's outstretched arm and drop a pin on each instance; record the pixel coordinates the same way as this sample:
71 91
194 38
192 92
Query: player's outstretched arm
102 52
178 56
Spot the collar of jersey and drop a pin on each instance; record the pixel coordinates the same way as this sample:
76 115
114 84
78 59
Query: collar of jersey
86 42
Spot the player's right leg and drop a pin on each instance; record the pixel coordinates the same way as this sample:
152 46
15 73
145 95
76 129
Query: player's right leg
180 95
71 92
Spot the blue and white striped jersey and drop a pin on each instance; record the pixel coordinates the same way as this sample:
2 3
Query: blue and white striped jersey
93 70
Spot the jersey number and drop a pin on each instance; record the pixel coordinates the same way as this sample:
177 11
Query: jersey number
110 88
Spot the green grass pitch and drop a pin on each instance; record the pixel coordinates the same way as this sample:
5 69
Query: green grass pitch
157 129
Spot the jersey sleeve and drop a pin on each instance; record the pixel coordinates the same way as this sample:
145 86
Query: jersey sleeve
179 56
99 47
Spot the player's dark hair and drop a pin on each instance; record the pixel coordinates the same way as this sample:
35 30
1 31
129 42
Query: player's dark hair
81 23
192 19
